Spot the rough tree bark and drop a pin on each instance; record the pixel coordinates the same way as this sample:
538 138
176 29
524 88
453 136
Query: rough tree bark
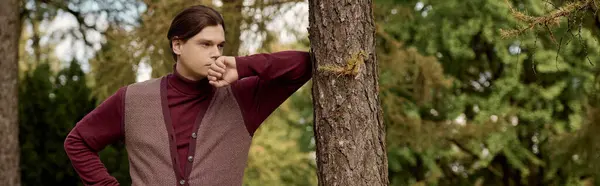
349 127
10 27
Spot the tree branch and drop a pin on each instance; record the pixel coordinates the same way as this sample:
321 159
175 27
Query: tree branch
462 147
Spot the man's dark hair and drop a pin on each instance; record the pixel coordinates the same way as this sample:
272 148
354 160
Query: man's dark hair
190 22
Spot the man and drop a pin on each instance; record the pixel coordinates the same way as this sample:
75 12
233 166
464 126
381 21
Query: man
195 125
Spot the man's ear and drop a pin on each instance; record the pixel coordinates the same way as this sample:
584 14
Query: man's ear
177 44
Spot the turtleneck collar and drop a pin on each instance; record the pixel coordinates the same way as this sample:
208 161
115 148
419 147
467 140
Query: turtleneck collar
188 86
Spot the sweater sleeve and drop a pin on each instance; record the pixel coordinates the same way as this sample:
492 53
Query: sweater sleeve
266 81
99 128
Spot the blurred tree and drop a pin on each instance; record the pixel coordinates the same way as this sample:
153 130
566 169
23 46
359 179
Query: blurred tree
35 117
9 131
72 100
113 66
573 22
274 157
51 105
490 111
233 17
349 129
91 20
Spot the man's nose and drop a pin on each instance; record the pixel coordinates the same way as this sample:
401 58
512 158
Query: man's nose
215 52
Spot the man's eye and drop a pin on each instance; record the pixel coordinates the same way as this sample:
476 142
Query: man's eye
205 44
221 46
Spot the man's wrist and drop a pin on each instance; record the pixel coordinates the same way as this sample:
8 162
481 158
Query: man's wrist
242 64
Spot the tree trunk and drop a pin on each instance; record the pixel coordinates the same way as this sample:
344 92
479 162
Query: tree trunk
10 27
349 129
232 15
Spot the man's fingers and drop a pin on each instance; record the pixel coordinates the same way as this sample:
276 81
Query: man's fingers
211 72
220 62
217 68
212 78
218 83
215 84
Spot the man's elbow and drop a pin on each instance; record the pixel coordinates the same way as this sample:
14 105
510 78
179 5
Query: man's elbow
67 144
307 71
70 143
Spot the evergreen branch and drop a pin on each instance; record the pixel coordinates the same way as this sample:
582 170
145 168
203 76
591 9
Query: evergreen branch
551 19
379 31
551 3
551 34
462 147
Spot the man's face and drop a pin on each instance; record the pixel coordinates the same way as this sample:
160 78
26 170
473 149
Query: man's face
199 52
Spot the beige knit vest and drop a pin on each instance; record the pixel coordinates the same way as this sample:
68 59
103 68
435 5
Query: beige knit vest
221 141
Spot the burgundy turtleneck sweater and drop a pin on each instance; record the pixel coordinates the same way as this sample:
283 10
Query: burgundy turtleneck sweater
266 81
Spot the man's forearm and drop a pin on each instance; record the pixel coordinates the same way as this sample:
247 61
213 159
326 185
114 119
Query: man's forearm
279 76
285 66
86 162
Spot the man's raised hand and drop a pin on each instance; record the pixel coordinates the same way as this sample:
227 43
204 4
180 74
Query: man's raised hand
223 72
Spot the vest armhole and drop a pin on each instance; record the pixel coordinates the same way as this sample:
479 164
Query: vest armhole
242 112
124 93
123 98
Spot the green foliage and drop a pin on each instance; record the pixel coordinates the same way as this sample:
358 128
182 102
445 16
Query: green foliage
511 104
49 106
275 159
114 65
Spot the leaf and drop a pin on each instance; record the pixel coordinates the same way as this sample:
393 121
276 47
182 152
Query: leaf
433 168
407 155
551 92
514 160
546 61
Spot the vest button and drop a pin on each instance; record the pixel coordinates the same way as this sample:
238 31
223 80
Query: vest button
194 135
190 158
181 182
